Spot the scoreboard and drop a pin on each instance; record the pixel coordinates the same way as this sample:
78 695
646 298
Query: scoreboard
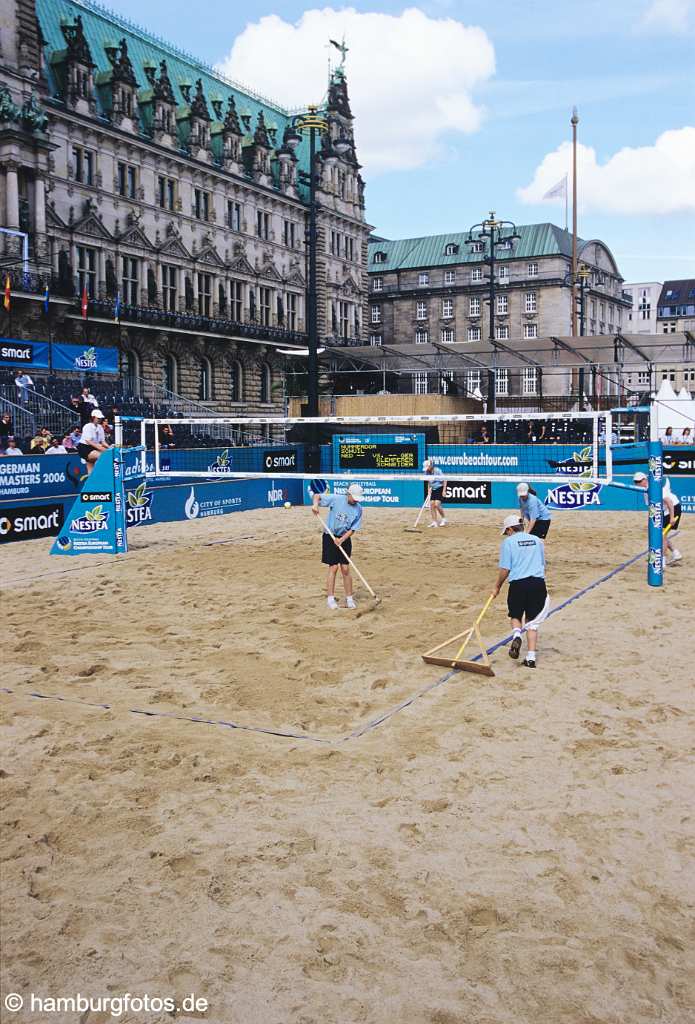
378 453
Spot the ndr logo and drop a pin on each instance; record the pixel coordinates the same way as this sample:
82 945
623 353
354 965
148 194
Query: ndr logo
139 506
579 493
276 494
93 521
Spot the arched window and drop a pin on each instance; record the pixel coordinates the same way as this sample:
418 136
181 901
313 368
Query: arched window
171 373
205 392
237 388
265 384
132 373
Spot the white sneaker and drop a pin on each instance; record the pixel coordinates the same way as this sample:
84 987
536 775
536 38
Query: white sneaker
675 557
430 525
443 522
350 602
332 603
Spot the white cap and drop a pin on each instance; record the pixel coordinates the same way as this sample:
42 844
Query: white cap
522 489
639 477
98 413
355 491
513 520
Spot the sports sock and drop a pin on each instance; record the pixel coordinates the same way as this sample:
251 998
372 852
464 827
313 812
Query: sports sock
531 655
517 634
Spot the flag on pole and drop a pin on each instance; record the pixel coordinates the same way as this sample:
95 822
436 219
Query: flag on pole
85 302
46 300
559 191
7 301
117 308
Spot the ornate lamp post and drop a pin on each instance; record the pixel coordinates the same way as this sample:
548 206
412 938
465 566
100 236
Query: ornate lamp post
583 278
312 123
499 232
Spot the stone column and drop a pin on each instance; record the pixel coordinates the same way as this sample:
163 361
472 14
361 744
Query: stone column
12 194
101 274
182 290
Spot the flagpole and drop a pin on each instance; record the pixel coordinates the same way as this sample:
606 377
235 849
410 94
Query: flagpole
566 204
574 122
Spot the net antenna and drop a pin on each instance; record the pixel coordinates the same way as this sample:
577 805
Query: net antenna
538 447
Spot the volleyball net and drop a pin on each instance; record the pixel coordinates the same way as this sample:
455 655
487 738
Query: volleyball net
501 447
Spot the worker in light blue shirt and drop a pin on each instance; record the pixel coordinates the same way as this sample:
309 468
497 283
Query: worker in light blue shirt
522 564
533 511
344 519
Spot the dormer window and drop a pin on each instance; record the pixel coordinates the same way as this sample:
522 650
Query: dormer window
476 246
451 249
380 257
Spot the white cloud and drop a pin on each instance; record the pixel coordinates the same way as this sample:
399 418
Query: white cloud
668 15
411 77
645 179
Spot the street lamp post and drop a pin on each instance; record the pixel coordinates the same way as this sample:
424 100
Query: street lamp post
498 231
583 274
582 278
312 123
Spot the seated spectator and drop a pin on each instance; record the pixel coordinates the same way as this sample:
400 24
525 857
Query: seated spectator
484 437
40 442
5 426
56 448
667 436
108 430
687 436
12 448
75 436
67 443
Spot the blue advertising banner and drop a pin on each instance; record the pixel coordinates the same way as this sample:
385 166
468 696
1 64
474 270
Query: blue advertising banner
39 476
95 524
84 358
24 353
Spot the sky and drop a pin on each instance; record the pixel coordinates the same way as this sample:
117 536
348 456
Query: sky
462 108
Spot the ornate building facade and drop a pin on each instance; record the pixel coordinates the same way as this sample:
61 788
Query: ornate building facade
436 289
170 195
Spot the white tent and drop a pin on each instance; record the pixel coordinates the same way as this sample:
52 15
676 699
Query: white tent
673 410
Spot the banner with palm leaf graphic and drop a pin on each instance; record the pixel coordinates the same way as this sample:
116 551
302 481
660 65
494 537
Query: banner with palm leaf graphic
96 523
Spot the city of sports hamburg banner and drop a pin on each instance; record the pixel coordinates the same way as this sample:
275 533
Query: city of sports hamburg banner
95 524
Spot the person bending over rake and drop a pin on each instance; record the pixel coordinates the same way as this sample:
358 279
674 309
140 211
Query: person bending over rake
344 519
522 562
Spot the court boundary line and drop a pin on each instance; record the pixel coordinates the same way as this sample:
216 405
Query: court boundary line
323 740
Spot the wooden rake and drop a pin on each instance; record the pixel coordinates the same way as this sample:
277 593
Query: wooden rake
483 667
426 504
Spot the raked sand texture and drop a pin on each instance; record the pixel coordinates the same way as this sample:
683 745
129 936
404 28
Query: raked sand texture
515 850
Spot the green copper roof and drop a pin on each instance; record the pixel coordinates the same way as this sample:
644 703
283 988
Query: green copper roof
413 253
105 28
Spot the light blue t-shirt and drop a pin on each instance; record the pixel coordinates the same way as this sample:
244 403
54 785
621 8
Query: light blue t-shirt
343 516
532 507
438 481
524 555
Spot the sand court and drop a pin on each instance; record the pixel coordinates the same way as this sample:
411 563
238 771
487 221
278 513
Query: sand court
493 850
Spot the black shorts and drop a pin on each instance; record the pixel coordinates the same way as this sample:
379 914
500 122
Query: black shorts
540 528
526 598
332 554
437 494
674 522
84 450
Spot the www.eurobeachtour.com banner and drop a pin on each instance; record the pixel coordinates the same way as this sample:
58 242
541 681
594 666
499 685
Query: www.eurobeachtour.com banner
96 523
